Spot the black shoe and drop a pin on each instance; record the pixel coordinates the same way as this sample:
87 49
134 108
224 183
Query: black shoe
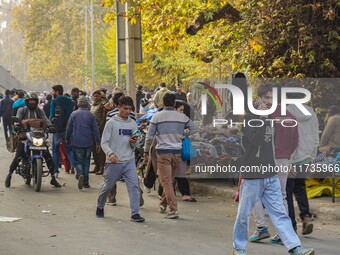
55 183
100 213
8 181
81 182
87 186
137 218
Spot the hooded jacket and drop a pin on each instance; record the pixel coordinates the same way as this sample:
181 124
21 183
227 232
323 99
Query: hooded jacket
115 139
308 127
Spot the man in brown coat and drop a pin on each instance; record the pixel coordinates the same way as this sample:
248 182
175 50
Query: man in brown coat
99 111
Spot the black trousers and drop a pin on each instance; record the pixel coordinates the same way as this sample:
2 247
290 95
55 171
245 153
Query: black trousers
7 126
20 152
150 178
297 186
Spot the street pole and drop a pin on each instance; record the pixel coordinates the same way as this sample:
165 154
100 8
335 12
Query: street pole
117 49
86 34
92 44
10 36
130 58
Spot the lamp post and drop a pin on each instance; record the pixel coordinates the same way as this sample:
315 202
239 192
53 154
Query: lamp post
92 44
117 49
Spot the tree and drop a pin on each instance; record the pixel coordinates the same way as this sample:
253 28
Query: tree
293 38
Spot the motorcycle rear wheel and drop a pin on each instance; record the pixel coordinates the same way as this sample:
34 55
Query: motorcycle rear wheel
37 174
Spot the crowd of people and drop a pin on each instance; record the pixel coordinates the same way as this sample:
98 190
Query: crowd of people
104 125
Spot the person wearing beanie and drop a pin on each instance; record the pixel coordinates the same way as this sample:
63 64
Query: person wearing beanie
81 131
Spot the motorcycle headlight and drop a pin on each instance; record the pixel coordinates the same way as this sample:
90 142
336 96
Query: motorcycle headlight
37 141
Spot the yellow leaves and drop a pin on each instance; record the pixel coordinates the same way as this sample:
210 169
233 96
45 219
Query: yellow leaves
256 46
133 20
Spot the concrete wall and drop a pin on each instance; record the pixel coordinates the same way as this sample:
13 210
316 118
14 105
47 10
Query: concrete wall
7 81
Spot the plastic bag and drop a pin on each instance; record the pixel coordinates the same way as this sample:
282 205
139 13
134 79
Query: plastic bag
188 151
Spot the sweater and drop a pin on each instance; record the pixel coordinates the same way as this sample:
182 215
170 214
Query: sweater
168 126
115 139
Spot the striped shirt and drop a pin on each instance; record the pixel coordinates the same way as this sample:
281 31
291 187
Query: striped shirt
168 126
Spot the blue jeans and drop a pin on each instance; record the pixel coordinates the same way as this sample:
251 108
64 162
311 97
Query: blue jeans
112 173
269 191
57 139
82 158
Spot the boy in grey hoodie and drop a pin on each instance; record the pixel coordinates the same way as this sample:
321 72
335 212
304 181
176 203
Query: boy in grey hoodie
118 143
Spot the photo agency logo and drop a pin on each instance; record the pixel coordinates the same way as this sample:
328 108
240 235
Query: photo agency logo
239 103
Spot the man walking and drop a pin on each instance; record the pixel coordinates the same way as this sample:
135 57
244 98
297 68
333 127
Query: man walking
180 95
258 142
81 131
305 152
99 112
158 97
6 110
118 143
60 111
168 126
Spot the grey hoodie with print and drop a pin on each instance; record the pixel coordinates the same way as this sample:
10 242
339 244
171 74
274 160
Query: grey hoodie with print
115 139
308 126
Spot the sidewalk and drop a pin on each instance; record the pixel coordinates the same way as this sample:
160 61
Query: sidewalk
321 207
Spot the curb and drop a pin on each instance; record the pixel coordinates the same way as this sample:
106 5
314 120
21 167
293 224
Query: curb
319 209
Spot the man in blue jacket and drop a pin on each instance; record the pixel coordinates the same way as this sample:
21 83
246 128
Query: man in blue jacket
81 130
60 111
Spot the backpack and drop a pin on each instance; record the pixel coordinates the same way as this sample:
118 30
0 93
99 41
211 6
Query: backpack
59 120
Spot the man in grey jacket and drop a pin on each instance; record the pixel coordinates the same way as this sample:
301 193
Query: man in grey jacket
118 143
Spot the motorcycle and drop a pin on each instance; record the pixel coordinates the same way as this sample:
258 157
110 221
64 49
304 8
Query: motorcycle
34 135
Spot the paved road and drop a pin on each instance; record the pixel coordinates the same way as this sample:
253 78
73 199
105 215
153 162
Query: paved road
71 227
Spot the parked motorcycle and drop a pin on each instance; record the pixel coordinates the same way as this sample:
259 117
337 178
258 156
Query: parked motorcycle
33 134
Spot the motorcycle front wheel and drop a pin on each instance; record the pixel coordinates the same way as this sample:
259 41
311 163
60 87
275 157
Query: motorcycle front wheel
37 174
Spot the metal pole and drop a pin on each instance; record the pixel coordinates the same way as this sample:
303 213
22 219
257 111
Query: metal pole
117 49
130 58
92 44
86 34
10 36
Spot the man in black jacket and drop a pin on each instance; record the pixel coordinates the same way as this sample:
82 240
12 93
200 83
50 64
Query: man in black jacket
139 96
260 183
6 110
